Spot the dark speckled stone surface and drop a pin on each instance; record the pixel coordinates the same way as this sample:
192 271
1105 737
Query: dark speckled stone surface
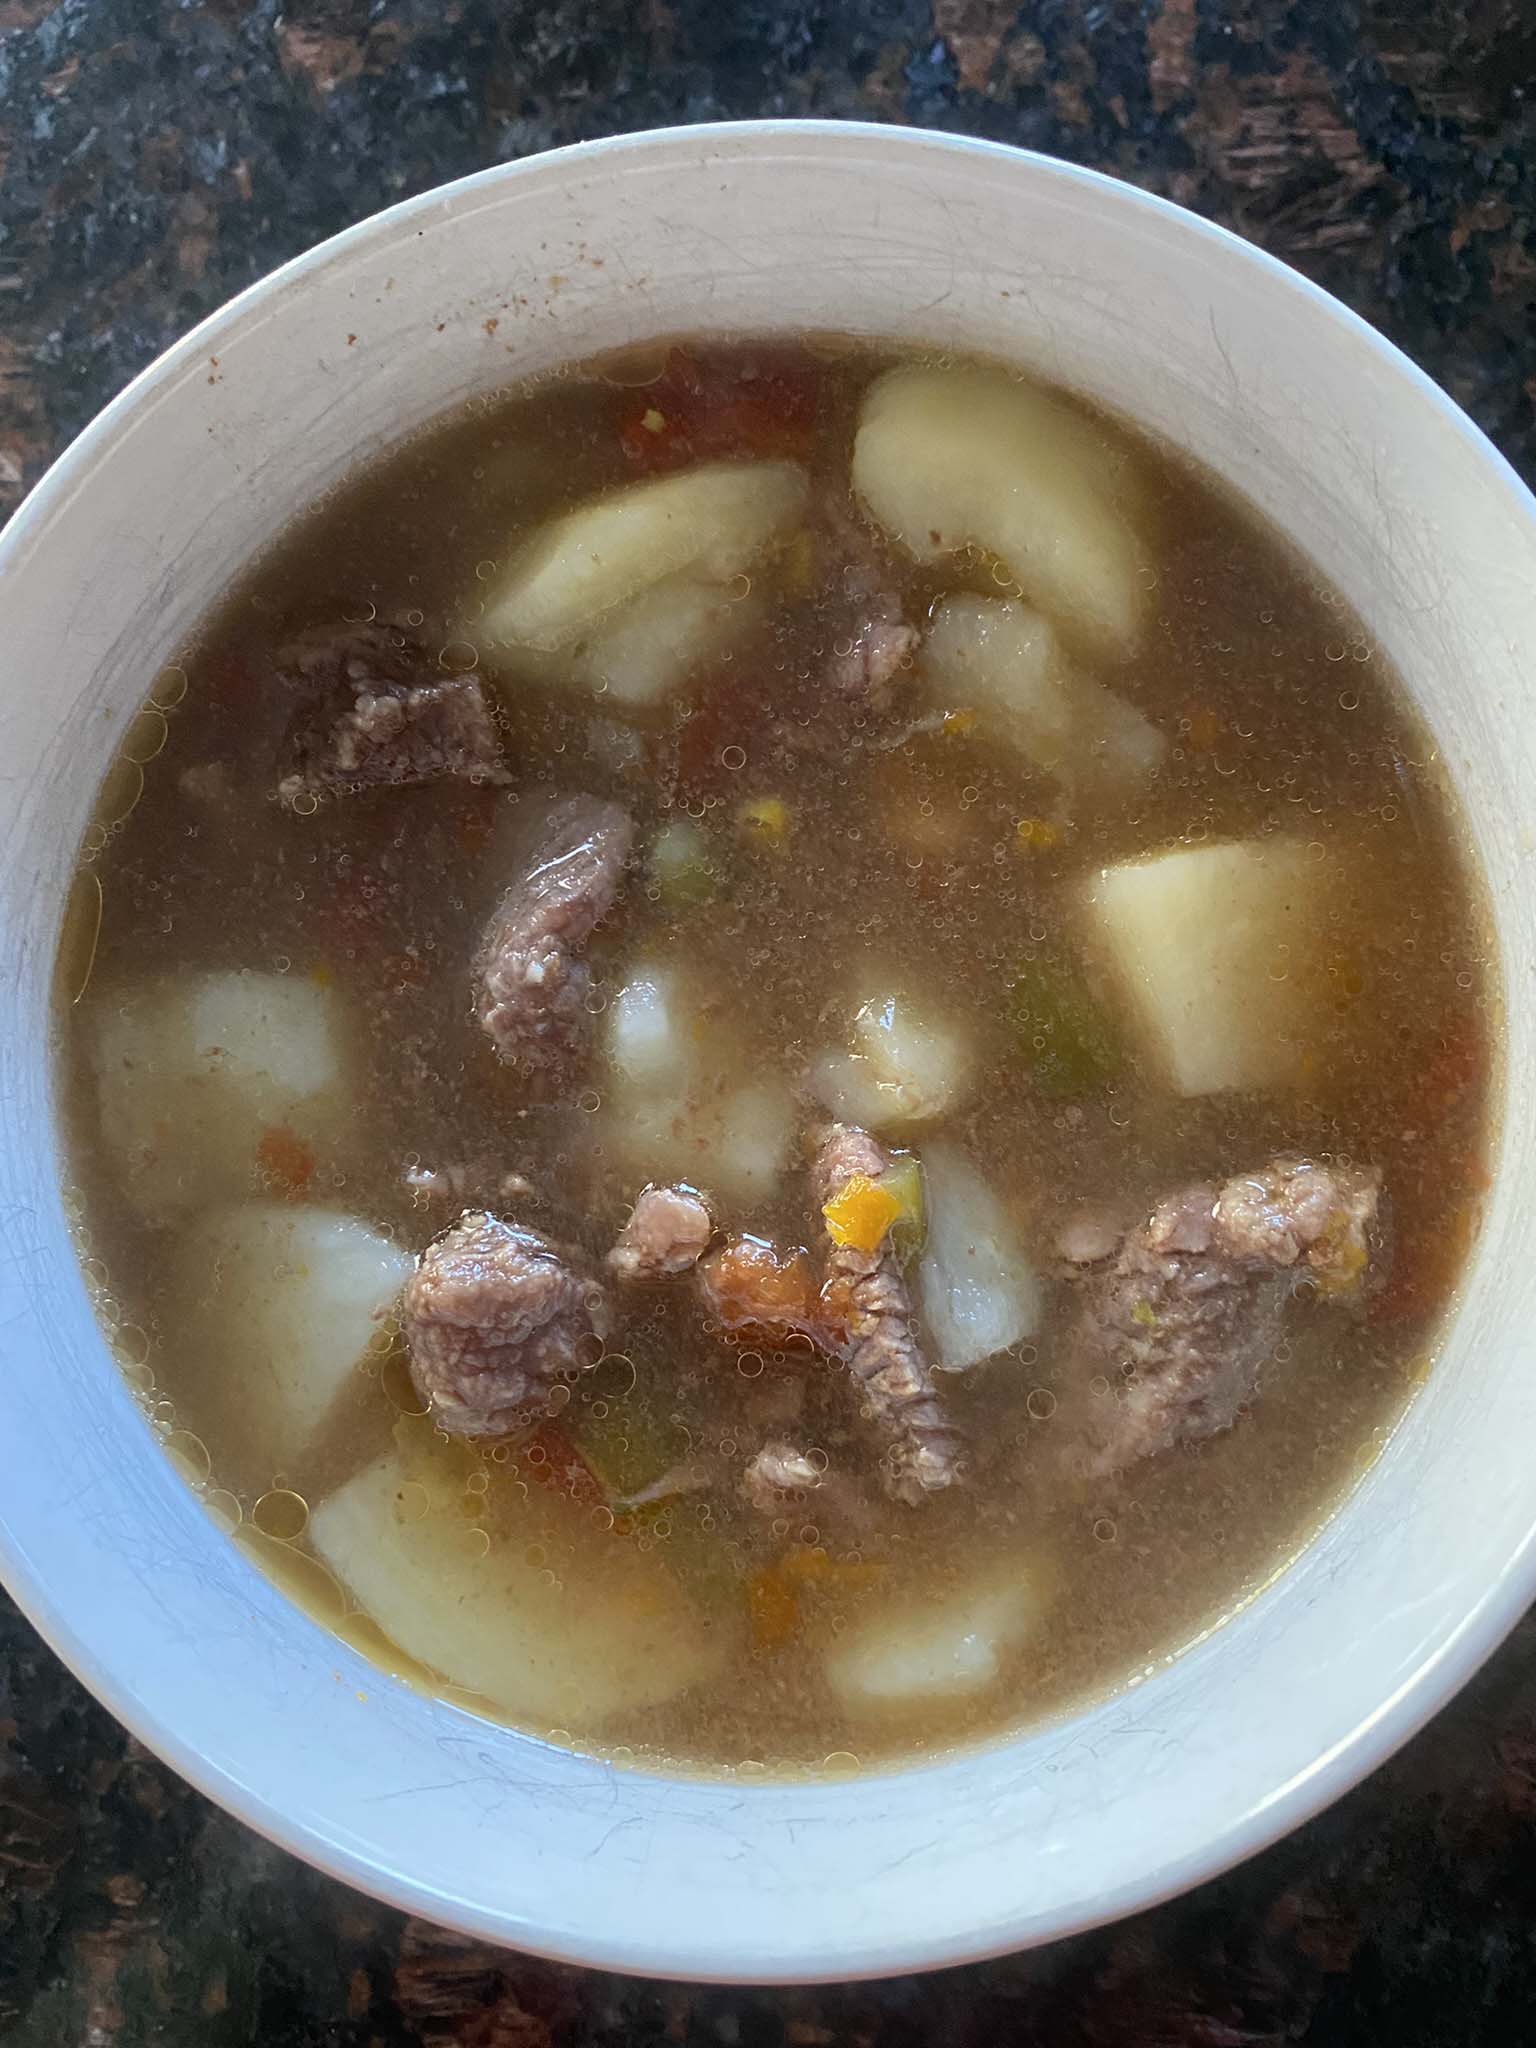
155 157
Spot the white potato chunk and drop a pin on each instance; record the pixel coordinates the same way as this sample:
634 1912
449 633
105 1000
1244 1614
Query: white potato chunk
735 1143
597 1629
904 1067
632 588
278 1302
646 1039
977 1289
672 1110
647 646
926 1650
948 459
756 1129
1217 950
1004 662
190 1071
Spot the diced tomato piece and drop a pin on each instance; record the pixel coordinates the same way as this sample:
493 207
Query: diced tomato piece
764 404
285 1162
550 1456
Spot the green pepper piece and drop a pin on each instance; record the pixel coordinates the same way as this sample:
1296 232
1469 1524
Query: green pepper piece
1066 1036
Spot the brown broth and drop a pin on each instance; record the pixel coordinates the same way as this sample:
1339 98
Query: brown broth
902 860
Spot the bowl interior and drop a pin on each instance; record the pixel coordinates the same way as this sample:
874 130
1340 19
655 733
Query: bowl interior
104 575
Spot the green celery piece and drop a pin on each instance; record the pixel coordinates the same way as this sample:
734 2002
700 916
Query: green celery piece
904 1179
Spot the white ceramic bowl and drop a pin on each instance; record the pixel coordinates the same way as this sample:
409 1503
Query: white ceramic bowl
106 571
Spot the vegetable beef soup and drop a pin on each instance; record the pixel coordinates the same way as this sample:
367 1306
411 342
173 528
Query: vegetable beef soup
775 1055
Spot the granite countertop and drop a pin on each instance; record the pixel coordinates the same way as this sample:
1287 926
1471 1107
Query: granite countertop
155 156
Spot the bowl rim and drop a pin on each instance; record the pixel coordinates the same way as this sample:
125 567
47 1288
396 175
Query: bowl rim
1449 1664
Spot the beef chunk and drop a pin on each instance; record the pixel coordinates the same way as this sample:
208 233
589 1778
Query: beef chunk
1181 1317
871 638
866 1294
532 983
494 1316
668 1232
375 710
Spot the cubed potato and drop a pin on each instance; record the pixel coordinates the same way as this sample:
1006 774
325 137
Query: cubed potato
757 1127
190 1071
905 1066
673 1109
648 1044
734 1142
952 458
977 1288
277 1303
558 1622
646 647
928 1650
702 528
1004 662
1217 951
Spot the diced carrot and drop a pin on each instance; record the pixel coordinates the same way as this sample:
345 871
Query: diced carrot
285 1162
812 1566
776 1592
860 1213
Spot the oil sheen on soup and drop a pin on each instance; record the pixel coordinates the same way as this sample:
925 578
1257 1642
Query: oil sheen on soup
775 1055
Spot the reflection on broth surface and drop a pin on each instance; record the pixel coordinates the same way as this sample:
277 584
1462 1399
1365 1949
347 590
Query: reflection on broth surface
989 892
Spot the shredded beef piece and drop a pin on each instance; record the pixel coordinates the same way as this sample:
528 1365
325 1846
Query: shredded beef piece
1183 1320
494 1316
866 1293
776 1474
668 1232
531 982
871 636
376 710
879 645
341 651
